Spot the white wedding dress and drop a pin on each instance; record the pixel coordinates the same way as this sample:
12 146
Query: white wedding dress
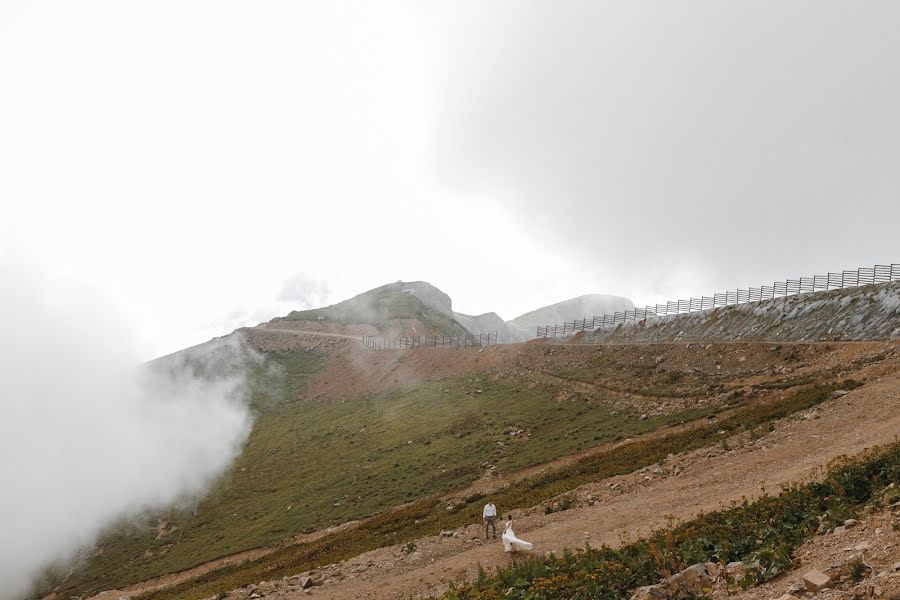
513 544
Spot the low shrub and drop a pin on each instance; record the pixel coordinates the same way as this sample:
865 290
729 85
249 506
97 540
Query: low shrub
763 534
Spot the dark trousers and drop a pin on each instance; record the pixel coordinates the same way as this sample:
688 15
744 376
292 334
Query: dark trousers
489 522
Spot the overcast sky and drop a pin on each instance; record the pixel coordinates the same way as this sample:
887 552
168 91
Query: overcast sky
202 165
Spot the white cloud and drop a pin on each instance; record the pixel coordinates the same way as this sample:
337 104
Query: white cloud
86 436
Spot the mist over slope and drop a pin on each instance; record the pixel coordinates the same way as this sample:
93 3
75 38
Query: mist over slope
395 308
88 437
420 308
523 327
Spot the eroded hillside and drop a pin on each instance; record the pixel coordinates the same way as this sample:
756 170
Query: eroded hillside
416 431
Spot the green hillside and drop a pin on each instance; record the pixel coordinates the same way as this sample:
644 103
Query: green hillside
307 466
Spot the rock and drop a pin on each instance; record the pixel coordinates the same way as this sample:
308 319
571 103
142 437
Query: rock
696 579
862 546
651 592
644 417
851 523
838 394
305 582
735 570
840 530
788 597
896 566
795 589
816 580
446 534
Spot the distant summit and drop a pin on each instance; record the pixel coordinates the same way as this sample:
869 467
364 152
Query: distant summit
574 308
399 308
406 308
524 326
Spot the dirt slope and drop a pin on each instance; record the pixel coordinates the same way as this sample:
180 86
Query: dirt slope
798 448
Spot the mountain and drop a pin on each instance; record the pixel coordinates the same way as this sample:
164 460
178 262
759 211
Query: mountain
574 308
523 327
418 308
398 308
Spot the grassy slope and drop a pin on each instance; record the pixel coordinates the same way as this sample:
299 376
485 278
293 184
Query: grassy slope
378 307
428 516
335 462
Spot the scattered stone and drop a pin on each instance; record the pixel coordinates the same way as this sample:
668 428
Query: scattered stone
795 589
651 592
816 580
838 394
735 570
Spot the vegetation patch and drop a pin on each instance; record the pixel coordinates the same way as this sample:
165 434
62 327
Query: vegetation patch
429 516
763 534
308 466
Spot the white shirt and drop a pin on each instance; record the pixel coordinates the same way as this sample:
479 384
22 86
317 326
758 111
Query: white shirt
489 510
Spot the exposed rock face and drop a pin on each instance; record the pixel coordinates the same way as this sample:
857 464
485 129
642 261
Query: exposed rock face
870 312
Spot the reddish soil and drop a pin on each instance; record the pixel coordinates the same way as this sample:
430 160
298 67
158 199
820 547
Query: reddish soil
798 448
681 487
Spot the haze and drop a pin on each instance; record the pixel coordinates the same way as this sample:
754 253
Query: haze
195 160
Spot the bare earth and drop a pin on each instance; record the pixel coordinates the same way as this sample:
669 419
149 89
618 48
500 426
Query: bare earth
680 487
710 478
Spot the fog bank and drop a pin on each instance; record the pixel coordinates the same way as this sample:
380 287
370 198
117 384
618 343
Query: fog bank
89 436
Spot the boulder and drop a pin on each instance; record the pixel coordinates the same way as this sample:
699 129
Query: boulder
696 579
651 592
816 580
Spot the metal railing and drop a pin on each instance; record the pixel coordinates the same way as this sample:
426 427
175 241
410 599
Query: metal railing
790 287
431 341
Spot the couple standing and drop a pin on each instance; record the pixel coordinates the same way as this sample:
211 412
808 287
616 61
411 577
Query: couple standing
510 542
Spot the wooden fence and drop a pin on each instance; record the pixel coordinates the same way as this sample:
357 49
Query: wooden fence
843 279
431 341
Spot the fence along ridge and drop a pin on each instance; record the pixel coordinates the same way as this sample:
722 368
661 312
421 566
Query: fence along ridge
789 287
472 340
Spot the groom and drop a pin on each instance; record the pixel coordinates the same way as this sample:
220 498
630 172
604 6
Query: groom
489 514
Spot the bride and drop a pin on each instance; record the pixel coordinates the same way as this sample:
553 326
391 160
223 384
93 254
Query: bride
510 542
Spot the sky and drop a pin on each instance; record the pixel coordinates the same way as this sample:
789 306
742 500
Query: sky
203 165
